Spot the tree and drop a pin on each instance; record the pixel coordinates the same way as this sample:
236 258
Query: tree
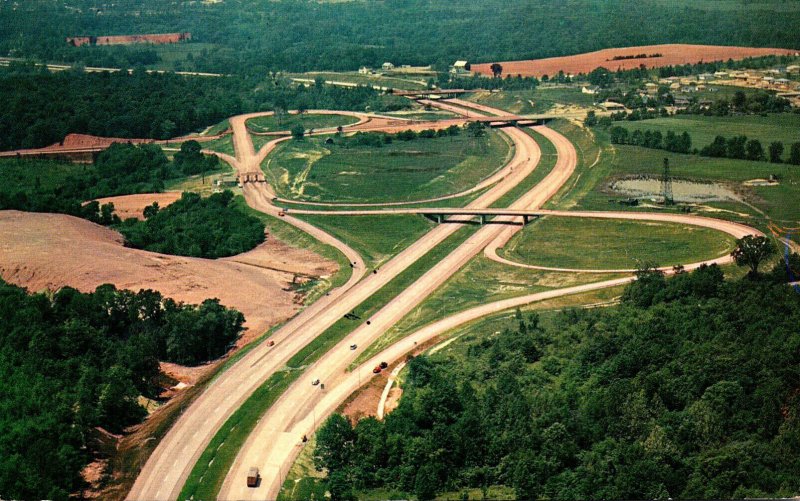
591 119
426 483
497 69
776 152
739 100
751 250
754 150
794 154
334 444
298 131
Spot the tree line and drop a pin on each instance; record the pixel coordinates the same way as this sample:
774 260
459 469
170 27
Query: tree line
72 361
685 390
41 108
308 35
737 147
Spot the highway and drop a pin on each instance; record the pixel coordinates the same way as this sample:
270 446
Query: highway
275 442
167 469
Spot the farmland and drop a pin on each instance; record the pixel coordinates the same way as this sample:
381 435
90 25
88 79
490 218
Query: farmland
669 55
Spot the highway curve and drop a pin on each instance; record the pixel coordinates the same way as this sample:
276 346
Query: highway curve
273 444
167 469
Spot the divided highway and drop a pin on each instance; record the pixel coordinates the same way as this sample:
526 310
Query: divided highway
276 440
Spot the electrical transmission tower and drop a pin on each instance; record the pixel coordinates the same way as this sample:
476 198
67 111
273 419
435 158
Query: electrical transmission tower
666 185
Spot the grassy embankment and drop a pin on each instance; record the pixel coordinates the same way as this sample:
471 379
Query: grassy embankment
524 102
346 172
271 123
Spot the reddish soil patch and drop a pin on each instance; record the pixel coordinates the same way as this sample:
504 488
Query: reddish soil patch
364 403
133 205
49 251
671 54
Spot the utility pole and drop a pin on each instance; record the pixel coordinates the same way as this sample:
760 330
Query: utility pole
666 184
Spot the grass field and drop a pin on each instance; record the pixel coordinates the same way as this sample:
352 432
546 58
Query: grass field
308 121
403 170
481 281
608 244
532 101
221 145
782 127
376 238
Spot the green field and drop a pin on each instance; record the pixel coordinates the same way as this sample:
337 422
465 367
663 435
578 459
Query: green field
221 145
375 238
272 123
403 170
532 101
608 244
784 127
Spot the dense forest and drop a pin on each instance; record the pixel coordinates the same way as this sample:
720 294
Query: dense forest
194 226
40 108
688 389
122 169
254 36
71 361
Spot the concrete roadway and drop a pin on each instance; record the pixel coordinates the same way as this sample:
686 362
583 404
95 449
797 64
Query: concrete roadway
167 469
273 444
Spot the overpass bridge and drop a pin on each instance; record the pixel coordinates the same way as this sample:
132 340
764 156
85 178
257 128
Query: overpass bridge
428 93
441 215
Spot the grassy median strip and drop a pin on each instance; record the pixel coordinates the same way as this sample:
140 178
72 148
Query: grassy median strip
546 164
209 472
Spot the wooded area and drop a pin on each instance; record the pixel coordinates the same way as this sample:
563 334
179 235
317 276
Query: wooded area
686 390
71 362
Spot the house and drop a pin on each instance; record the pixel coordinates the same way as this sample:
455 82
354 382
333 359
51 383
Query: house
590 89
681 102
705 77
460 67
651 88
387 66
793 68
364 70
674 86
720 74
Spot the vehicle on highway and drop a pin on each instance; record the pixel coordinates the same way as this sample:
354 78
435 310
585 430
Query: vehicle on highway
384 365
377 369
315 382
271 343
252 477
353 346
281 213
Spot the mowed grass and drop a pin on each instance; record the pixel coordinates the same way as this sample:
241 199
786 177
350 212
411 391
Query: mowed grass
375 238
784 127
223 144
561 242
345 172
272 123
524 102
481 281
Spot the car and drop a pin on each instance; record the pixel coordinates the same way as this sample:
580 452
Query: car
377 369
315 382
353 346
281 213
384 365
271 343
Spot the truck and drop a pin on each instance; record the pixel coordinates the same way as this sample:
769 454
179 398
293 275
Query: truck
252 477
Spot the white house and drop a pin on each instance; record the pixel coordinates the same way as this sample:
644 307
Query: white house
364 70
387 66
460 67
590 89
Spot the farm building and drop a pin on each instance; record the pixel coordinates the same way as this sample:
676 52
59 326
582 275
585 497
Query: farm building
460 67
387 66
590 89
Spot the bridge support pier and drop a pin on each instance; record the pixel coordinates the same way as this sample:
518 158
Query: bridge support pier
525 220
483 219
439 218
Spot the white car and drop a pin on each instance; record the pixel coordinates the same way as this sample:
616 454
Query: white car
315 382
353 346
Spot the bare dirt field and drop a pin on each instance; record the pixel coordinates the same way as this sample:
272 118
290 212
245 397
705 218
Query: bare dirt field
671 54
133 205
49 251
